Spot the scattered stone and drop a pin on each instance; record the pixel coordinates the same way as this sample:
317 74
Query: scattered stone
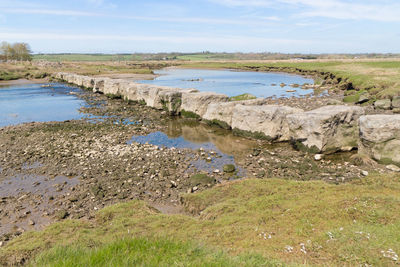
318 157
364 173
384 104
393 168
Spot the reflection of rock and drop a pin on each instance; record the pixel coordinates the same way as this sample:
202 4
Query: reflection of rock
327 129
380 138
199 133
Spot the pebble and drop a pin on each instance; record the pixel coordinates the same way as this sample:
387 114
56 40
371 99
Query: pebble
318 157
364 173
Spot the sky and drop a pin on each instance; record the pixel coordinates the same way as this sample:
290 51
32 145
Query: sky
122 26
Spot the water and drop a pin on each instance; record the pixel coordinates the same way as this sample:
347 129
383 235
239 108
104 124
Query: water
233 83
217 144
32 102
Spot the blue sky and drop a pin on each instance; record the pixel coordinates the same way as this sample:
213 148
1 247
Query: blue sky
121 26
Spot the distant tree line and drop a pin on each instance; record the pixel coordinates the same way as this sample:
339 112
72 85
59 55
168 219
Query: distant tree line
15 51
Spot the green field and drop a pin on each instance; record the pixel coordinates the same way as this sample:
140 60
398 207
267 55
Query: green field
255 221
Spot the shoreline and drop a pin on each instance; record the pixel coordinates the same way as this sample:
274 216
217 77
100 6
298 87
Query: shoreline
23 81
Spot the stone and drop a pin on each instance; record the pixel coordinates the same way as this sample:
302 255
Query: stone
171 101
267 121
383 104
229 168
393 168
364 173
364 97
380 138
396 102
318 157
223 112
327 129
197 103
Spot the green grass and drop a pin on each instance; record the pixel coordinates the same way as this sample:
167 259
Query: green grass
241 97
144 252
348 224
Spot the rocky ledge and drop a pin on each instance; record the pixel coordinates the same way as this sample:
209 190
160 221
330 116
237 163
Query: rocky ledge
323 130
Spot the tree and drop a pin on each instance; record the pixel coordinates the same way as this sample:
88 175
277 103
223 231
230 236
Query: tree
16 51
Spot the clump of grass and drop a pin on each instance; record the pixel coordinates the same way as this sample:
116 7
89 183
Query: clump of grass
144 252
241 97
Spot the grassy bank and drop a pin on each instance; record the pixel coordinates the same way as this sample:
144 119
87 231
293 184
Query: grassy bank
282 221
380 78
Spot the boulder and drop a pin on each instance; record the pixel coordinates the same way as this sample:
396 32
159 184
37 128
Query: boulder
380 138
221 113
98 86
327 129
396 102
88 82
198 102
171 101
383 104
111 87
268 121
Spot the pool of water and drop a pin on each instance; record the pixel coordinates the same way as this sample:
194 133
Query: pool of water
233 83
219 147
33 102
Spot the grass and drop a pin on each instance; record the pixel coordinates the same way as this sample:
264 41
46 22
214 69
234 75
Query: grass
144 252
282 221
245 96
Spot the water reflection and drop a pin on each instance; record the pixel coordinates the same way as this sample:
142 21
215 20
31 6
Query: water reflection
218 147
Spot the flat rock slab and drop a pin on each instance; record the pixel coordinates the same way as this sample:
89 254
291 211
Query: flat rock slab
327 129
197 103
267 121
223 112
380 138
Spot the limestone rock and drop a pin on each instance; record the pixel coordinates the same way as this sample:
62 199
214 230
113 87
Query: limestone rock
383 104
198 102
326 129
380 138
223 112
396 102
268 120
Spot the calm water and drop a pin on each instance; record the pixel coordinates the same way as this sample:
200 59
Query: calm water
232 83
31 102
218 144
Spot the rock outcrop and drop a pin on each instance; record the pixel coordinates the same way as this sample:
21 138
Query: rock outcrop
221 113
197 103
326 129
267 121
380 138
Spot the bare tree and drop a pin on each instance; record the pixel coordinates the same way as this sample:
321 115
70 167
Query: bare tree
16 51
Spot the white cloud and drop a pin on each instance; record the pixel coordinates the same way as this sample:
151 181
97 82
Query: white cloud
337 9
49 12
178 39
255 21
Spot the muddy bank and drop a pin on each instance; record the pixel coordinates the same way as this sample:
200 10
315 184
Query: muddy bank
23 81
